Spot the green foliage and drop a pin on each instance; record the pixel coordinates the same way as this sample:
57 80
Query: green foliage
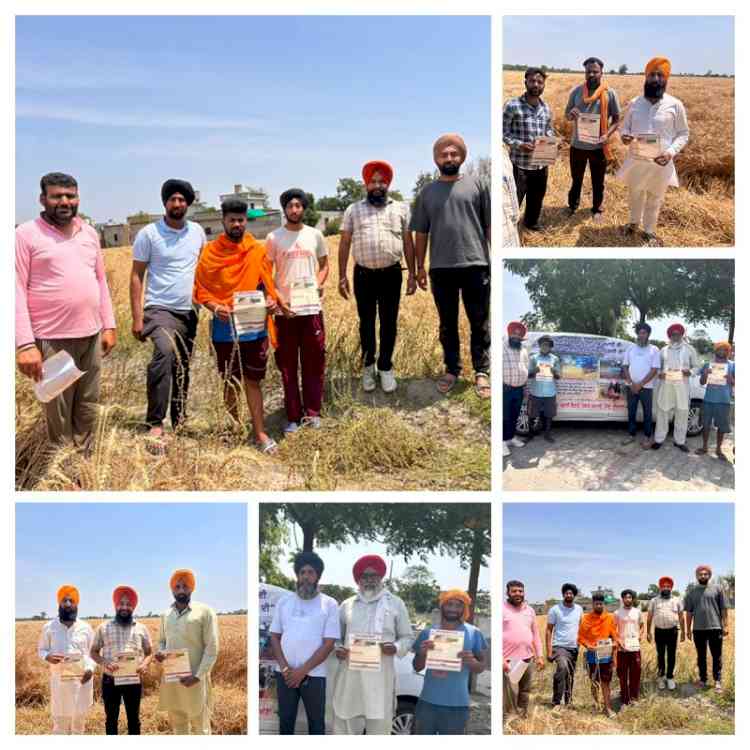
622 70
329 203
311 217
418 588
339 593
332 227
350 191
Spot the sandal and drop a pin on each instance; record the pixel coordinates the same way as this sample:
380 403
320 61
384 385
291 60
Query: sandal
446 383
269 447
482 385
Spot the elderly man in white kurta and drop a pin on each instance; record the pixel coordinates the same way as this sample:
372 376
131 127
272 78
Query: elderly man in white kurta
678 362
655 113
362 699
63 641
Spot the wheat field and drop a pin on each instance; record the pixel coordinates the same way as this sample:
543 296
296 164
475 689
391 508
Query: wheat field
687 711
700 213
229 679
413 439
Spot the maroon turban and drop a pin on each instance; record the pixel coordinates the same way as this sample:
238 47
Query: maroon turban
377 166
676 327
369 561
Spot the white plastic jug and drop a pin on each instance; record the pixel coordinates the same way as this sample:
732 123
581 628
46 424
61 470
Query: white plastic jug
58 373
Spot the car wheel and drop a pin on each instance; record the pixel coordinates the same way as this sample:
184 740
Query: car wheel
403 721
695 418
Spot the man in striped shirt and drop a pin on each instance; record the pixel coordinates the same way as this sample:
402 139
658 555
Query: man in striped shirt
526 118
515 377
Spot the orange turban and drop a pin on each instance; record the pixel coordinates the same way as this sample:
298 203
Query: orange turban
666 579
659 63
187 575
128 591
458 594
722 345
377 166
450 139
67 591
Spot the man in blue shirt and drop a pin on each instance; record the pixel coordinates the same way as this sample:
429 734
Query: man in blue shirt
718 397
544 370
562 644
169 250
443 706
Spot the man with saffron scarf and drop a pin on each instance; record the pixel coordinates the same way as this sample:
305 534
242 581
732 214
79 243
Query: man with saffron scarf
655 113
236 262
593 97
443 705
363 699
718 377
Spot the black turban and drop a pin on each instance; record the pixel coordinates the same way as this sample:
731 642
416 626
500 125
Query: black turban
548 339
291 194
172 186
308 558
643 327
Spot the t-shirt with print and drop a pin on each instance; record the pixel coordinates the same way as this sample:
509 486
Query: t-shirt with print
640 361
456 215
565 621
718 394
295 257
303 624
628 622
450 688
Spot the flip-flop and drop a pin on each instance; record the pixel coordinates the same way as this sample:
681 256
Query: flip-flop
483 390
269 447
446 382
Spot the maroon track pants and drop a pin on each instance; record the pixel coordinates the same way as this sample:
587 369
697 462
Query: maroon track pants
629 674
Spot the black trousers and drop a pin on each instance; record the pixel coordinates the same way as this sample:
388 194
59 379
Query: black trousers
168 374
532 185
713 640
312 692
472 283
378 293
665 640
512 405
112 696
579 158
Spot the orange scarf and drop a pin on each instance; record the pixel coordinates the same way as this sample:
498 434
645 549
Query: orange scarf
602 93
226 267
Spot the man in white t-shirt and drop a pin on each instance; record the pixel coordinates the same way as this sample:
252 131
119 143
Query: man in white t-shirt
641 365
629 623
304 630
299 255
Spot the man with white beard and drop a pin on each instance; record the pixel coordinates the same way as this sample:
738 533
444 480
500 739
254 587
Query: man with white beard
364 699
678 360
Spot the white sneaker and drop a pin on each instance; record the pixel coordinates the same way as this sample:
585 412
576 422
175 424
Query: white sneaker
387 380
662 683
506 450
671 684
517 442
717 687
369 379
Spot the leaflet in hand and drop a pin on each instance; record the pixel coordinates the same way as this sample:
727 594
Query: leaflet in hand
365 654
718 374
517 671
673 376
249 313
603 649
545 151
72 668
304 298
445 655
588 128
127 666
176 665
632 643
545 372
646 146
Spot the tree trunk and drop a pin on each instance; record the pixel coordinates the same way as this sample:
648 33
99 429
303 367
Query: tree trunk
308 539
476 559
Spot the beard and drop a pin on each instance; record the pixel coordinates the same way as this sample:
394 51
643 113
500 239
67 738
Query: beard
514 343
124 618
449 170
370 594
60 217
451 616
235 235
182 598
654 90
67 614
307 590
665 593
176 214
377 197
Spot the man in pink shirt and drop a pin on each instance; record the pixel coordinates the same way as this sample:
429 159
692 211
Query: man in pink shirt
521 643
63 304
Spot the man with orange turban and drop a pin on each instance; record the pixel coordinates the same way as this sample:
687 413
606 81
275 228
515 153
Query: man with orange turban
376 230
718 377
515 377
454 211
233 270
678 360
666 614
191 626
593 97
367 699
443 705
65 644
114 640
649 167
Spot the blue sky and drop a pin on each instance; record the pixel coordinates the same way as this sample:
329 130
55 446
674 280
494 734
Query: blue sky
516 303
616 545
694 44
97 546
267 101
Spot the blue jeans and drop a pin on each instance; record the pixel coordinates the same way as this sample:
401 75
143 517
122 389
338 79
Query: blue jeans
512 403
645 396
312 691
432 719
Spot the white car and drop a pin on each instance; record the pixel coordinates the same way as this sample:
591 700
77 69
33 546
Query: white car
592 386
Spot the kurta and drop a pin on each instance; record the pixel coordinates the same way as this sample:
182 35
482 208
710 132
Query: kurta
676 395
371 694
196 628
68 698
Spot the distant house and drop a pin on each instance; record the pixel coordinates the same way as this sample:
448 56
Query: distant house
114 235
326 217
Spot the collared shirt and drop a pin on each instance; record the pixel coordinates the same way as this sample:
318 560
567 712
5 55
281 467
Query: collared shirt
515 365
112 637
61 283
171 256
511 210
565 622
681 357
523 123
521 638
377 232
665 612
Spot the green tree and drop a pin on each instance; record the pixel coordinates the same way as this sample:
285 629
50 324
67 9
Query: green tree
332 227
329 203
424 178
273 538
622 70
418 588
311 217
339 593
350 191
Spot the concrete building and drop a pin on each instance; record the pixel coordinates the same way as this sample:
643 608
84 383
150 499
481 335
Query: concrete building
326 217
114 235
252 196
